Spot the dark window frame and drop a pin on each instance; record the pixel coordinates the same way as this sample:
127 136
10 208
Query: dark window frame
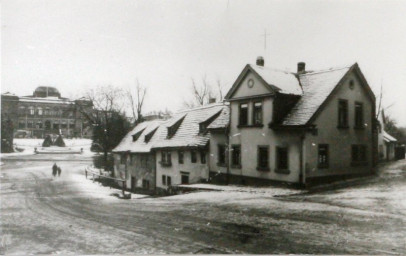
280 150
168 181
164 180
181 155
358 115
255 111
193 156
203 155
166 158
240 115
236 158
323 150
260 165
342 114
221 154
359 154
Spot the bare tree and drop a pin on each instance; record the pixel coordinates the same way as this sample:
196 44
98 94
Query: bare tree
137 101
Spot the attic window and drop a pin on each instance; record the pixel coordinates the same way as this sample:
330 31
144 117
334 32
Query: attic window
137 135
173 129
351 84
149 135
203 125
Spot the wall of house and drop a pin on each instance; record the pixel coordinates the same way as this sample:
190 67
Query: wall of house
244 91
197 171
217 138
339 139
251 137
390 151
135 167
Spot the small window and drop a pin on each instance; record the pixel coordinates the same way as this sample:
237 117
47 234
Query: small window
282 158
359 115
359 154
236 156
180 156
342 113
163 179
39 110
202 157
145 184
166 158
193 156
184 178
323 156
168 181
257 115
123 159
21 124
39 125
64 125
32 111
243 120
263 158
71 124
221 154
30 124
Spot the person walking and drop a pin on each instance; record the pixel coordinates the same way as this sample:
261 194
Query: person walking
54 169
59 171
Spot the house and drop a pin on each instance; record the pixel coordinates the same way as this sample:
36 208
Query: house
134 160
386 142
158 154
300 127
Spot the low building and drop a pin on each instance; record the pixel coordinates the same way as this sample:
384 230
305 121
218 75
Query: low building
386 142
46 112
156 155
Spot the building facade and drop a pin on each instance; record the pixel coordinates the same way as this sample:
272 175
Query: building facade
46 112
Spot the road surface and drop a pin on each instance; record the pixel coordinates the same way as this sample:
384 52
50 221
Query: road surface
41 214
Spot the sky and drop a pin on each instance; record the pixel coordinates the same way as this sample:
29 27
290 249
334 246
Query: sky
79 45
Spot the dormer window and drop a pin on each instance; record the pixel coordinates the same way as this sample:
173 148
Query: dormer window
203 125
137 135
148 137
174 128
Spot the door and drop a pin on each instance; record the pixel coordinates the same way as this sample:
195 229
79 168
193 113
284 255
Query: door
185 178
133 183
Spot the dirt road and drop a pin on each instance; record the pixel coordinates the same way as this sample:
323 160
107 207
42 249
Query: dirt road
45 215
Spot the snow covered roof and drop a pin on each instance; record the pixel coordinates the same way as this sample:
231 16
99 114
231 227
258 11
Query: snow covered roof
388 138
317 86
140 145
222 120
187 135
284 81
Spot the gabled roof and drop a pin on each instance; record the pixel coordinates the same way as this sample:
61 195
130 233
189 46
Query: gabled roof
274 80
318 87
388 138
187 135
139 146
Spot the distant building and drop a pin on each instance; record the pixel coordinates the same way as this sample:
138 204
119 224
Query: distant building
386 142
46 112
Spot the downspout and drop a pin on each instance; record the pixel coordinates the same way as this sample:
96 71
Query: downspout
228 153
302 174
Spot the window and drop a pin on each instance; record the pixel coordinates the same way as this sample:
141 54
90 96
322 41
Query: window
39 110
30 124
64 125
193 156
163 179
221 154
282 158
243 114
48 125
184 178
263 158
145 184
257 115
168 181
71 124
21 124
166 159
22 110
359 115
39 124
123 159
202 157
323 156
236 156
56 124
180 156
32 111
47 111
359 155
342 113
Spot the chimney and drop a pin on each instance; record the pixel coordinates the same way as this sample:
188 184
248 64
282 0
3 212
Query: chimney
301 67
260 61
212 100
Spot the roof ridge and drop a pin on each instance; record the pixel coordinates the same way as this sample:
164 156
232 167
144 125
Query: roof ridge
315 72
273 69
202 107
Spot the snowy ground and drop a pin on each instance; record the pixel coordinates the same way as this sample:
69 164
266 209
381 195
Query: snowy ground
72 215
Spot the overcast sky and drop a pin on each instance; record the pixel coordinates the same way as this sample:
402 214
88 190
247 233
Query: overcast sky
77 45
